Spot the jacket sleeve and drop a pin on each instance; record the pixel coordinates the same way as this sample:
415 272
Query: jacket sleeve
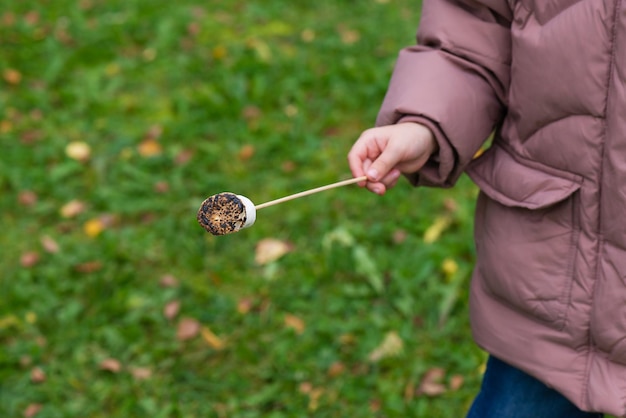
454 81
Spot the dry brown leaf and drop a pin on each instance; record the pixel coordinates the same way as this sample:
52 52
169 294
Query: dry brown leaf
154 132
305 387
456 382
49 244
399 236
161 187
29 259
141 373
183 157
72 208
27 198
37 375
188 328
288 166
111 365
244 305
88 267
431 384
12 76
212 340
149 148
336 369
295 323
171 309
168 281
32 410
246 152
271 249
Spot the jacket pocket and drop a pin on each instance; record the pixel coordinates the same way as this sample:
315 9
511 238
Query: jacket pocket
526 230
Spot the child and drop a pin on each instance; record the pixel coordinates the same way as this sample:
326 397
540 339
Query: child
548 292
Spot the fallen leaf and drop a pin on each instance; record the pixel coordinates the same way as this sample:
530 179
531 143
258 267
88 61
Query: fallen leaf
392 345
32 410
399 236
29 259
168 281
93 227
49 244
141 373
375 405
244 305
37 375
149 148
305 388
336 369
78 150
161 187
72 208
295 323
183 157
219 52
12 76
5 126
431 384
111 365
246 152
211 339
154 132
188 328
434 231
449 267
307 35
27 198
349 36
456 382
171 309
88 267
271 249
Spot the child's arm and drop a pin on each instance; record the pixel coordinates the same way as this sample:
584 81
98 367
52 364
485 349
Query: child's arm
454 82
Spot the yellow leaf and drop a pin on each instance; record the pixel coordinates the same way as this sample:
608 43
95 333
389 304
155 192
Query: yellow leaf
219 52
78 150
93 227
271 249
212 340
449 267
295 323
308 35
391 346
434 231
30 317
8 321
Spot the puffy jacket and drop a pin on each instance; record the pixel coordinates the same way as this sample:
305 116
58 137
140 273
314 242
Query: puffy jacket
548 292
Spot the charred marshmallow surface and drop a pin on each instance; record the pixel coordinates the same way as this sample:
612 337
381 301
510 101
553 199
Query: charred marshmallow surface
225 213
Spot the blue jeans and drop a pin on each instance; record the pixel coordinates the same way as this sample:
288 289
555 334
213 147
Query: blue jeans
507 392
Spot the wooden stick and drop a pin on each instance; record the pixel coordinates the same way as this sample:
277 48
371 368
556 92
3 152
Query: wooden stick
308 192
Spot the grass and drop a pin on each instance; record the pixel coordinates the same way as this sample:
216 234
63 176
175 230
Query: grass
176 101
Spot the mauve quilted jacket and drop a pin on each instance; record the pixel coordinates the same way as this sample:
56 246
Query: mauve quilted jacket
548 293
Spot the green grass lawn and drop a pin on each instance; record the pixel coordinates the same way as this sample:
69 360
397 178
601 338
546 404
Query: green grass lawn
117 118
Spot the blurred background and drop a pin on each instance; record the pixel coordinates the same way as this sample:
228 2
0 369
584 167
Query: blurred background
118 118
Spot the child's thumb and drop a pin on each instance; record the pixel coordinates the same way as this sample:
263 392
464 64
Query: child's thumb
382 165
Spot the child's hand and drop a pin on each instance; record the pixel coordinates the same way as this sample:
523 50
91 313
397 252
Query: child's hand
386 152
